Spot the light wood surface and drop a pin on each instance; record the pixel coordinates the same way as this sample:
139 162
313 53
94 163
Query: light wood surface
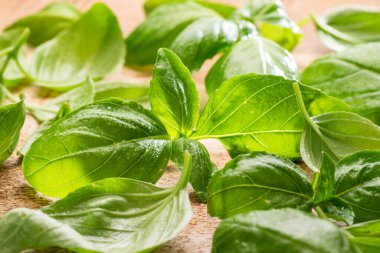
15 192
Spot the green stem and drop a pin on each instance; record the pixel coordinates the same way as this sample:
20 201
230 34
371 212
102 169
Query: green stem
320 212
21 68
315 183
300 102
186 171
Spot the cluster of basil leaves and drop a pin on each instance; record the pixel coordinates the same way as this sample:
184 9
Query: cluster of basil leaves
104 156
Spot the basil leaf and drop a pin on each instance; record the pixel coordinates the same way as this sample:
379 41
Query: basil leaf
173 95
202 167
75 98
48 22
279 231
112 215
338 210
203 39
243 185
255 55
336 133
358 184
109 138
259 113
95 48
12 119
223 9
43 127
273 22
326 186
128 90
160 29
366 236
342 27
352 75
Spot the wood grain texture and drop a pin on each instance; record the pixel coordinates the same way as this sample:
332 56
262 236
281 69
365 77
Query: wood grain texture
15 192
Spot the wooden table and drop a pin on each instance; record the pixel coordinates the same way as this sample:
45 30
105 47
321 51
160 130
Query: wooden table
15 192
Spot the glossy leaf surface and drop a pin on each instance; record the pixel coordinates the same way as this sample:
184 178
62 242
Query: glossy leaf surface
279 231
352 75
326 186
366 236
255 55
258 181
109 138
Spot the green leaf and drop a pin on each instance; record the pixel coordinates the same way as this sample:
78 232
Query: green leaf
255 55
93 46
12 119
43 127
223 9
115 215
75 98
203 39
109 138
48 22
202 167
173 95
258 181
326 185
338 210
273 22
338 134
128 90
352 75
346 26
259 113
366 236
358 184
279 231
160 29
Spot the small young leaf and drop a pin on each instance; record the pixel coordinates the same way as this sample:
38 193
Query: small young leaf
259 113
115 215
358 184
109 138
12 119
326 186
338 134
173 95
48 22
160 29
202 168
254 55
258 181
352 75
273 22
338 210
347 26
279 231
93 46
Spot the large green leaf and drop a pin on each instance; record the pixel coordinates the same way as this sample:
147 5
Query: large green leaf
223 9
279 231
160 29
173 95
254 55
258 181
260 113
366 236
352 75
358 184
12 119
273 22
336 133
202 167
343 27
48 22
109 138
203 39
115 215
93 46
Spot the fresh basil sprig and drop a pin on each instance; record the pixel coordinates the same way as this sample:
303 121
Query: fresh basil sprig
111 215
346 26
352 75
48 22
